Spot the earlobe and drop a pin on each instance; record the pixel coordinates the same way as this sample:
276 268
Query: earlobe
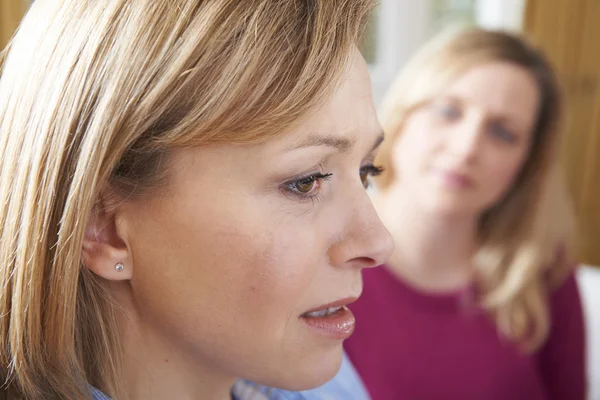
104 251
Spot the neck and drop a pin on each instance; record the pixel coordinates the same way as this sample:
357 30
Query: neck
432 251
154 367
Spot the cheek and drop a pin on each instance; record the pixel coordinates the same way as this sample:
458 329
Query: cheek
415 144
283 268
501 173
222 271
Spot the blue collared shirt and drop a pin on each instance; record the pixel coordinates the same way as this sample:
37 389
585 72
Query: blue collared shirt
346 385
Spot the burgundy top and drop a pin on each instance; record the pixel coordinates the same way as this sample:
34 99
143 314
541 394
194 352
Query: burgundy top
410 345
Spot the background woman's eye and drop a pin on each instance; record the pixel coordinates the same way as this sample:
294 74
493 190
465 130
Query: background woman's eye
450 112
447 111
368 171
500 132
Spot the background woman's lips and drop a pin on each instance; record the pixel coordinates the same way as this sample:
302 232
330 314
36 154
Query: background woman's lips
454 179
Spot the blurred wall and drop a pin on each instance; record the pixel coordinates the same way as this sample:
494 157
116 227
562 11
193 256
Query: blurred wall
400 27
569 31
11 12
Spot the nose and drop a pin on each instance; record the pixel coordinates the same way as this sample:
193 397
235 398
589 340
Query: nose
466 138
365 242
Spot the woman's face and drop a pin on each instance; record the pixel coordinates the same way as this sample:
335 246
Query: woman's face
460 153
249 238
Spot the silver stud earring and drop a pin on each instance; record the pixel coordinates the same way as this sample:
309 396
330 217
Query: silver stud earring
119 267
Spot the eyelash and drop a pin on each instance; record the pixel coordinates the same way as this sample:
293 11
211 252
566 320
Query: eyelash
370 171
292 187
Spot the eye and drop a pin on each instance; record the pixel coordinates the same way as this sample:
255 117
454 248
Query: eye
499 131
307 187
369 171
448 112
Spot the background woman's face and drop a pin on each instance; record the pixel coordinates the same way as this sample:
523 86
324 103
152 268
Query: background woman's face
461 152
249 238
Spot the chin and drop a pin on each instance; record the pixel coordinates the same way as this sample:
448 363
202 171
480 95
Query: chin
446 210
451 208
308 372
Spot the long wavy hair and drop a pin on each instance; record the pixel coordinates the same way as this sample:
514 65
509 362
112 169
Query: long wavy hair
527 238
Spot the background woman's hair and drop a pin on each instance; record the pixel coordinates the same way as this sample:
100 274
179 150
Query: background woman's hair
526 239
93 96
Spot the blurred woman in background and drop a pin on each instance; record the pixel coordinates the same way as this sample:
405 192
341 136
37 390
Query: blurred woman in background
479 299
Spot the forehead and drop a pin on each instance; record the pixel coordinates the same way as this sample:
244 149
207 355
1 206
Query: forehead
499 87
348 112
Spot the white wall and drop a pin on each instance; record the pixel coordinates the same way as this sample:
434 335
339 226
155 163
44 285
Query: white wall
589 283
404 26
500 14
402 29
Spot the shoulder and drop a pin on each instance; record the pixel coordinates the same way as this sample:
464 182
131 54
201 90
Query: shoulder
562 358
565 307
566 293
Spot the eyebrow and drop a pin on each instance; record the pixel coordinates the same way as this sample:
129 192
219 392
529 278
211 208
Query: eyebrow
340 143
509 119
378 141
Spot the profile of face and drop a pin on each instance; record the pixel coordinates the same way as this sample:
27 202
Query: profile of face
461 152
244 261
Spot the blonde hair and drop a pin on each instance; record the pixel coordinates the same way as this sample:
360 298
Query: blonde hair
526 238
94 94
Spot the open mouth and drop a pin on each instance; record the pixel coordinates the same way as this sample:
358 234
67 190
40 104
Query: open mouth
335 322
323 313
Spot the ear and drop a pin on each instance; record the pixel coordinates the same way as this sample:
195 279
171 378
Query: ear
104 250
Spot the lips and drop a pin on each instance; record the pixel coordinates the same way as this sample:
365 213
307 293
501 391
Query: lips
333 305
455 179
333 320
322 313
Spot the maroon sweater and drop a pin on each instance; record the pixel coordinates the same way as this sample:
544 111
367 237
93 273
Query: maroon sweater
409 345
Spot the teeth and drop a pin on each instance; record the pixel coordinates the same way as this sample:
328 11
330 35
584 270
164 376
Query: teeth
323 313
